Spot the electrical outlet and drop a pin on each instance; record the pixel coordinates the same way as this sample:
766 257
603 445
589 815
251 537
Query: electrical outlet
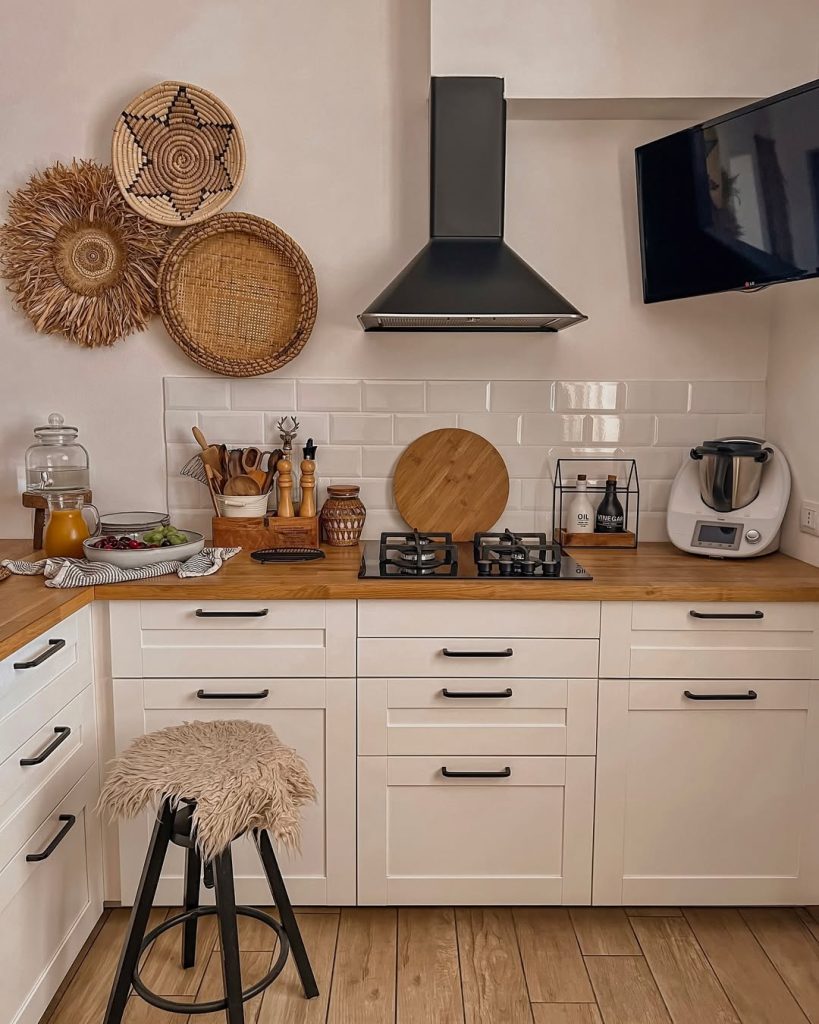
809 517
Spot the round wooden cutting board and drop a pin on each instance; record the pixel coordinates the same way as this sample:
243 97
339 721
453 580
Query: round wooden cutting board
451 481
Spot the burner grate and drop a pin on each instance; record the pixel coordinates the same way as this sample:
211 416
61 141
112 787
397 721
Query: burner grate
417 554
527 555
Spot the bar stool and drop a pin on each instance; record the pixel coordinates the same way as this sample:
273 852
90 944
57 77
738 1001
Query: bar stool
215 782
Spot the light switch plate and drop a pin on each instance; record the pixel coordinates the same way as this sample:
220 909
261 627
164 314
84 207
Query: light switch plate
809 517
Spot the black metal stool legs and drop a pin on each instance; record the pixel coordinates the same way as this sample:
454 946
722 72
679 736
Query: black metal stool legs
193 872
228 936
285 909
139 915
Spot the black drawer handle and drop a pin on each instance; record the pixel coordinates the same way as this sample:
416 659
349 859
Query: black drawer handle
63 732
69 819
53 647
726 615
504 773
469 694
209 695
750 695
477 654
258 614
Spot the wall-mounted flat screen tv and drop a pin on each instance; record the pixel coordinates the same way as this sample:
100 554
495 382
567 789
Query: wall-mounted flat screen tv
732 203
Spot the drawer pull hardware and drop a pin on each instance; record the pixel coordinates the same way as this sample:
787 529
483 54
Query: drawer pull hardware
750 695
726 615
504 773
63 732
69 819
477 654
260 613
53 647
469 694
208 695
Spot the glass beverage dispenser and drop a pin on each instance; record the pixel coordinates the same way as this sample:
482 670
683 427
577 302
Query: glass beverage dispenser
57 461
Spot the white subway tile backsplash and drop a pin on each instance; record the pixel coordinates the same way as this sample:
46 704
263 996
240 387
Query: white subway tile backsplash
364 428
178 424
726 396
177 455
311 424
409 427
657 463
192 519
394 396
621 429
536 494
550 428
520 395
688 429
186 493
382 521
589 395
196 393
457 395
657 396
380 460
339 461
657 492
376 494
497 427
265 393
742 425
232 428
328 396
525 460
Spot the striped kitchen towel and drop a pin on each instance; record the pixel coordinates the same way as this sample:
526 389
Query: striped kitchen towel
78 572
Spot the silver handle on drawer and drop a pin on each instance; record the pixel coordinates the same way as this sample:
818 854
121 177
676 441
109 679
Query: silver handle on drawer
507 653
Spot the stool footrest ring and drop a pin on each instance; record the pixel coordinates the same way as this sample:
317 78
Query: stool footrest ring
218 1004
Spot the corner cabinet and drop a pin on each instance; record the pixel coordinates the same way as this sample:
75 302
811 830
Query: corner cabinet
708 755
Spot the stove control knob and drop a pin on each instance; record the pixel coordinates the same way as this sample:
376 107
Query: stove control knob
753 536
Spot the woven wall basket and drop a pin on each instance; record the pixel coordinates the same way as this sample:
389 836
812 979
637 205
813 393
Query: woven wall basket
238 295
178 154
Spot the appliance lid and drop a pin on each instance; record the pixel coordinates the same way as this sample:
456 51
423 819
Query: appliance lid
466 277
735 447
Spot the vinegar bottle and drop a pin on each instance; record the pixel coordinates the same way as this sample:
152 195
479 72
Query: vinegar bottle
609 517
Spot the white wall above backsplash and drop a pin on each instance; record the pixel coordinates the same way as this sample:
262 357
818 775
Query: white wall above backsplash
362 426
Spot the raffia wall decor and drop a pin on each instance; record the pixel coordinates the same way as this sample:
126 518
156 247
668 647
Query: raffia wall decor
75 257
178 154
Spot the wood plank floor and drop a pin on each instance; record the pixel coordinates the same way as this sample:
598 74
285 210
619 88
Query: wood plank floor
490 965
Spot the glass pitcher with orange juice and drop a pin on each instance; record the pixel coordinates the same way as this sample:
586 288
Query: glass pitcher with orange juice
67 527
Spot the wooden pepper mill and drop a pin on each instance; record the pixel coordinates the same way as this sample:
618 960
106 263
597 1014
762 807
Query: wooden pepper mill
285 509
307 505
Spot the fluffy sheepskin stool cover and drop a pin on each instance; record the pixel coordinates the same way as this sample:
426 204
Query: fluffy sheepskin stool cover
240 775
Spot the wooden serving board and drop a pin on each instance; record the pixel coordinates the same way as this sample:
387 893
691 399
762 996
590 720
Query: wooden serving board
451 481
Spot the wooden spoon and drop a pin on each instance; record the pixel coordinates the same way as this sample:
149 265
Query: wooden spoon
242 485
213 487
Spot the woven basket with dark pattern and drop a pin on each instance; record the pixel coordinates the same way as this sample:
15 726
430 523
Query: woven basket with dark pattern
238 295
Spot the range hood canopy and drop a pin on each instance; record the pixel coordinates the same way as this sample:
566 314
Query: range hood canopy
466 278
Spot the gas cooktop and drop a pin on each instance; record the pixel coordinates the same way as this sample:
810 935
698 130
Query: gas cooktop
505 555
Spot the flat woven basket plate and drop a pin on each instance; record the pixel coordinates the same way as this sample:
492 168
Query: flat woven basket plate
178 154
238 295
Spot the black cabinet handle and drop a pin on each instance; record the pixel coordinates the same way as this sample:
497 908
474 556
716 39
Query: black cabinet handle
53 647
504 773
469 694
63 732
258 614
750 695
477 654
726 615
69 819
210 695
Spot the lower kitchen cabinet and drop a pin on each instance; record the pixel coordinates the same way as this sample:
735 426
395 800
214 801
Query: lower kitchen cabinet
707 792
317 718
475 830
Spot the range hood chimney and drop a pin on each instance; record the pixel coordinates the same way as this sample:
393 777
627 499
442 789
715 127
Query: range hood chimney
466 278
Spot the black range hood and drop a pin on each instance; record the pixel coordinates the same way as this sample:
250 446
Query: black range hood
466 278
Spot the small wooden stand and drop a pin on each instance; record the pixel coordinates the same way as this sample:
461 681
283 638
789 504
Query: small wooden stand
35 500
253 534
624 539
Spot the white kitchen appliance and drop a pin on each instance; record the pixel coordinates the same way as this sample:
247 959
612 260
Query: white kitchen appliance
729 498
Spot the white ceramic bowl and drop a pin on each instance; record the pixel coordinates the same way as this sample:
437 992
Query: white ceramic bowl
241 506
144 556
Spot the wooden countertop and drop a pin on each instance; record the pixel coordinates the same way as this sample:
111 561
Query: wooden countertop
654 572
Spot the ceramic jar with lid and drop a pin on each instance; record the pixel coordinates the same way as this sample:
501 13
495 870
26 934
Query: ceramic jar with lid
342 516
57 461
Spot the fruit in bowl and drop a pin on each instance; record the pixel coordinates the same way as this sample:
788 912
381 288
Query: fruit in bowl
164 544
164 537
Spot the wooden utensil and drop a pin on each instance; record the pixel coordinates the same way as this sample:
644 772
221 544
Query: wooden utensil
451 481
212 486
235 462
272 464
241 485
251 459
209 454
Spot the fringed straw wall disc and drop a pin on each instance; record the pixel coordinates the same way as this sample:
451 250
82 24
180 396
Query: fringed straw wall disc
238 295
178 154
77 259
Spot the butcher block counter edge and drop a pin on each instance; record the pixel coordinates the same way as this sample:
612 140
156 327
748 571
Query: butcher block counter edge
653 572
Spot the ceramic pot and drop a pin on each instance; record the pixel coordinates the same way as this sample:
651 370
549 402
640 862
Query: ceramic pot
342 516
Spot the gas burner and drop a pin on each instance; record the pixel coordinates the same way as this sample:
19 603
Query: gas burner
527 555
417 554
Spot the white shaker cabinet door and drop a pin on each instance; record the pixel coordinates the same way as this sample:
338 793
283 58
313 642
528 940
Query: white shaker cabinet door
707 792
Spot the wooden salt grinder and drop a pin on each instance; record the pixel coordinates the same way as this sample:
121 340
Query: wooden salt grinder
307 506
285 509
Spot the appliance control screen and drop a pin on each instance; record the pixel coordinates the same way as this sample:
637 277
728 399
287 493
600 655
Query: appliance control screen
717 535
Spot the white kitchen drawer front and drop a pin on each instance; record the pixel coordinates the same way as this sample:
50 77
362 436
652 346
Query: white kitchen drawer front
49 907
233 638
490 657
49 672
44 768
479 618
520 832
477 716
708 640
317 718
707 802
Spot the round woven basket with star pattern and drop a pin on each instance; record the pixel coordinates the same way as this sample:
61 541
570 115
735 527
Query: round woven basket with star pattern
178 154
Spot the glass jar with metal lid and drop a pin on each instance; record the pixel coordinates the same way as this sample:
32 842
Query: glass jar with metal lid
57 461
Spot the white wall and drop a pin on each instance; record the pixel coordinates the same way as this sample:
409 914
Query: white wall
332 102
